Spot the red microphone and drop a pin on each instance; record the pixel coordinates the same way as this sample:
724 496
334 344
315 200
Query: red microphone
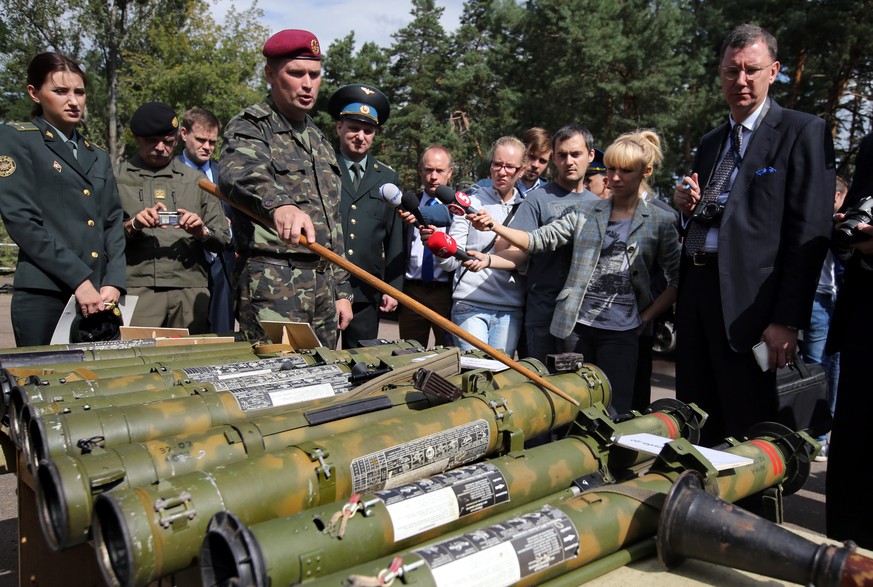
458 202
444 246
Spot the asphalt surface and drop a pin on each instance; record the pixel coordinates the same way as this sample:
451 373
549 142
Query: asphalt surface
804 509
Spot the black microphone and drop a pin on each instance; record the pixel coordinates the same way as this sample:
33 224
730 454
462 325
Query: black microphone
458 202
391 194
444 246
409 202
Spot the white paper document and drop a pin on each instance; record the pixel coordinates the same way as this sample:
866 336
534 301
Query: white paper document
653 444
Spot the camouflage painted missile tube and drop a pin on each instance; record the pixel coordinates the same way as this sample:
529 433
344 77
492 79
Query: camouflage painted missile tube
283 551
147 532
67 485
53 357
207 405
547 542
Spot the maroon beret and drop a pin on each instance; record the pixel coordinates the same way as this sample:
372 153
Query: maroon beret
293 44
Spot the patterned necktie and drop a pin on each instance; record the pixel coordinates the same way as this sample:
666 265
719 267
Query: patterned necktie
427 259
357 173
696 237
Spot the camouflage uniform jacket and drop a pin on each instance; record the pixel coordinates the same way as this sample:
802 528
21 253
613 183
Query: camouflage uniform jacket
168 257
265 164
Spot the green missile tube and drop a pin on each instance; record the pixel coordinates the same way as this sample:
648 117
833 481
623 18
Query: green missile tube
208 405
35 400
549 542
282 551
91 373
146 532
67 485
56 357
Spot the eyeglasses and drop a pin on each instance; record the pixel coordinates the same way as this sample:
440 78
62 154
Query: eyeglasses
510 169
752 73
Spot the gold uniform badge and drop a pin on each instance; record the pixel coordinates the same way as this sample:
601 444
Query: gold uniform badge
7 166
160 194
57 166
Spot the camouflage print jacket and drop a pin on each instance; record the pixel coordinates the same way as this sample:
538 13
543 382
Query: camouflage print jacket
264 164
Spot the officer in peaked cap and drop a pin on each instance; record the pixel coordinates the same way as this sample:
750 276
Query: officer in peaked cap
595 176
360 110
359 102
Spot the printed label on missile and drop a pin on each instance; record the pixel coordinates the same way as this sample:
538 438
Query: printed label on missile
419 506
421 457
243 368
506 553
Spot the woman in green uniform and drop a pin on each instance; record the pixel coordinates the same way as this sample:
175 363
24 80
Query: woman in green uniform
60 205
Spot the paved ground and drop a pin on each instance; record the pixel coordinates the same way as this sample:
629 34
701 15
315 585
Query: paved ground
804 509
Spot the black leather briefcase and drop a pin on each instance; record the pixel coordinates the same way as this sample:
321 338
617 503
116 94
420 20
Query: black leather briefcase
802 398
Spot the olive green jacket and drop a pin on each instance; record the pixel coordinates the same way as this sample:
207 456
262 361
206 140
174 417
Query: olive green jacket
62 212
168 257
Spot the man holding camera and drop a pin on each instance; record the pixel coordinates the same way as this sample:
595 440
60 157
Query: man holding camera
848 517
751 263
169 221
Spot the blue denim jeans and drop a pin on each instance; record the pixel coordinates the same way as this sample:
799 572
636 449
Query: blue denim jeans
813 344
499 328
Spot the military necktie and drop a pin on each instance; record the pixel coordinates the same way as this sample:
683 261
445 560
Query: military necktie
72 146
357 174
696 237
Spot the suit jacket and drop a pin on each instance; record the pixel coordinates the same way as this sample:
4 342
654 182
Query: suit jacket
372 230
776 224
652 239
63 213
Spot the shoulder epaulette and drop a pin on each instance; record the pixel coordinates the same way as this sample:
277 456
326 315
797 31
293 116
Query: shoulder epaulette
385 165
257 111
23 126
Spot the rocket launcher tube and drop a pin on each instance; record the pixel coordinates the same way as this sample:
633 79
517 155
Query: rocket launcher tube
59 434
548 542
67 485
144 533
395 519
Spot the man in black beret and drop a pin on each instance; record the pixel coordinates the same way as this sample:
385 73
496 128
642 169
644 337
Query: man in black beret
169 221
373 232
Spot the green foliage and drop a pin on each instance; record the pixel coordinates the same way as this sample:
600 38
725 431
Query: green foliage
509 65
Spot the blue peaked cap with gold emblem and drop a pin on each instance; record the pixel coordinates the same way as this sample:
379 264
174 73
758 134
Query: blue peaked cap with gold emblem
359 102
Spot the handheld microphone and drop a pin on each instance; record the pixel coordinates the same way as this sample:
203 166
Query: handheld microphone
444 246
391 194
458 202
409 202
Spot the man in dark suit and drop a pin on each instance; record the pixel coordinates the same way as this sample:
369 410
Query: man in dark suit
373 232
199 134
848 476
757 209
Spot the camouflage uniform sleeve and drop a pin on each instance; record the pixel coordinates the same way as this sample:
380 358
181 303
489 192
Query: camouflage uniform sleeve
245 170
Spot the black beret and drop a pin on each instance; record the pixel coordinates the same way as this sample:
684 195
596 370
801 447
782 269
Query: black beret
359 102
153 120
292 44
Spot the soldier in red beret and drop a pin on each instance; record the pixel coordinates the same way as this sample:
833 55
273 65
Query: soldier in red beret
275 160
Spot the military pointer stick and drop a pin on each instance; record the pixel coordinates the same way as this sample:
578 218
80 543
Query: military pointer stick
401 297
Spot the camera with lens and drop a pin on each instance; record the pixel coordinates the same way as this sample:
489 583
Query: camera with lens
168 218
846 232
707 213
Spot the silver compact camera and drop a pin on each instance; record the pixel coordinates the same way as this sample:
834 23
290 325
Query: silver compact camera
168 218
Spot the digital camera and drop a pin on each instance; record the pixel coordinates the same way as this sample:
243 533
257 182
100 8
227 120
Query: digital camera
846 232
168 218
707 213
